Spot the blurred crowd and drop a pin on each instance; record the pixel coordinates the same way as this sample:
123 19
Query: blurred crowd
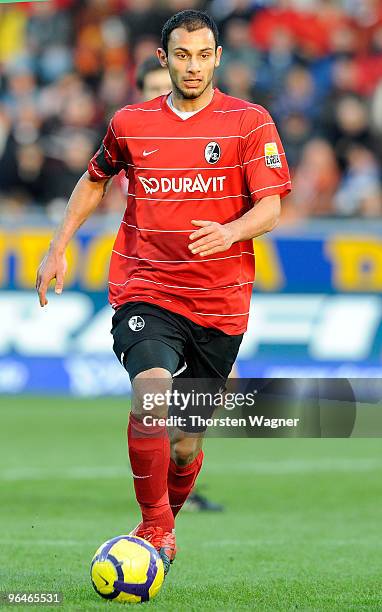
67 65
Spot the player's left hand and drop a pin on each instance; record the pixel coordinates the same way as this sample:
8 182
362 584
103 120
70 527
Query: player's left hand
212 238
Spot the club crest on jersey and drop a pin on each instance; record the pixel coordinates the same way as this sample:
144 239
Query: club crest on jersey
136 323
272 157
212 152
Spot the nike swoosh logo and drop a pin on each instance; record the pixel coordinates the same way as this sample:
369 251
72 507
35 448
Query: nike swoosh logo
146 153
104 579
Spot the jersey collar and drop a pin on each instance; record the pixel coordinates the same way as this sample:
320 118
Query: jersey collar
194 118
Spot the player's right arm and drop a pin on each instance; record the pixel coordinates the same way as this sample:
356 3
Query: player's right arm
85 198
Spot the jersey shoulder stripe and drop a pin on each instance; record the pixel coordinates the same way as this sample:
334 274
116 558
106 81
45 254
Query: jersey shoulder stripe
231 104
149 105
135 115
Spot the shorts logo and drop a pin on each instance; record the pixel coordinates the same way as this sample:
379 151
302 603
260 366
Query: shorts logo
272 157
136 323
212 152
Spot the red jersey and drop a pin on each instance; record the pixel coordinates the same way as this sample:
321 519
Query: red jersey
212 166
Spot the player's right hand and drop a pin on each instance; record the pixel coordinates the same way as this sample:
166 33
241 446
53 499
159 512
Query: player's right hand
52 266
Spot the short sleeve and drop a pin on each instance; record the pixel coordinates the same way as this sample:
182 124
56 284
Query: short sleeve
264 162
108 160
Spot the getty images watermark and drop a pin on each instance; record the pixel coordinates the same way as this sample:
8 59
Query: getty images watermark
262 407
194 402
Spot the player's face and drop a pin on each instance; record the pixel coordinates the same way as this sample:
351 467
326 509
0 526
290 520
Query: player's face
191 60
156 83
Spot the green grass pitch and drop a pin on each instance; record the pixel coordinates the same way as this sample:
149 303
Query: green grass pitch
302 528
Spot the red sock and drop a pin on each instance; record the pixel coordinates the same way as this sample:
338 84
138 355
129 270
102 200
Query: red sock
149 452
181 479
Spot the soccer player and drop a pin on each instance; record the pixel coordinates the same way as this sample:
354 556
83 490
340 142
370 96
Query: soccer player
153 80
206 173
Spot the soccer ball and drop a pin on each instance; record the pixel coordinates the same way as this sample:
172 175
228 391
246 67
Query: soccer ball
127 569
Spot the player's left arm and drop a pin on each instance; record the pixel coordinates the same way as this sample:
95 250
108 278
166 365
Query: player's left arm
265 171
216 237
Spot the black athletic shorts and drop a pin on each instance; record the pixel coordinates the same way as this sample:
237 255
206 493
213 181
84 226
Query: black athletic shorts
148 336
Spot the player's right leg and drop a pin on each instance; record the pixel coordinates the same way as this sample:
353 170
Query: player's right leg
149 452
149 347
149 446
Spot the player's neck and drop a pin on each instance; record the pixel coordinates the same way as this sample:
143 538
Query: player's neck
188 106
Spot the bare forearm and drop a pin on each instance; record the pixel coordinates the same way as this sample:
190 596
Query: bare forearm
262 218
85 198
213 237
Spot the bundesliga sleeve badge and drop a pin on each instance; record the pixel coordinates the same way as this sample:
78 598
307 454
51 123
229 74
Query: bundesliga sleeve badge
272 157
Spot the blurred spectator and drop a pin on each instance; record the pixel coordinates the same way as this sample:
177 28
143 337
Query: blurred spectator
54 98
30 180
144 18
295 129
145 48
152 79
316 180
238 81
21 88
237 46
360 189
376 111
368 17
114 90
80 111
299 95
173 6
277 61
46 26
310 28
344 77
28 125
7 151
225 10
351 127
65 159
343 41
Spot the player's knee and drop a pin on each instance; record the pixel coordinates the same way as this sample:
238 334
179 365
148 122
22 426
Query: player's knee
184 451
151 390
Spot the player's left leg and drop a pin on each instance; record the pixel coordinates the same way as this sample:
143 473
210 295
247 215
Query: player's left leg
185 464
186 458
210 356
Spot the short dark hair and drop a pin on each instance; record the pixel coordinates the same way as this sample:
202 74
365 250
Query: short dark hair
190 20
151 64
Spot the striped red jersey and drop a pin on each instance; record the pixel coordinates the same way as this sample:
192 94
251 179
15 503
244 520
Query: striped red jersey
212 166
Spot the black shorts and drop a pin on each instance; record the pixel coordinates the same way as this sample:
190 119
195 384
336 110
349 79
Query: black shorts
148 336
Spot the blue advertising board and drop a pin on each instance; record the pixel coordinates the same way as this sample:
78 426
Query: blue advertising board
316 310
